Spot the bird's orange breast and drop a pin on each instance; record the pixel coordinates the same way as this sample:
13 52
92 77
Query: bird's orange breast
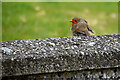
74 23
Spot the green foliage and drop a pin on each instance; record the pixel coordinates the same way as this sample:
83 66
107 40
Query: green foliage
33 20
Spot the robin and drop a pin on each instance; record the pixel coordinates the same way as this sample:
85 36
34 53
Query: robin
80 27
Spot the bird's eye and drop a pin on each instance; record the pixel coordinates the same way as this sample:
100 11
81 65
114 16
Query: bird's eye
75 21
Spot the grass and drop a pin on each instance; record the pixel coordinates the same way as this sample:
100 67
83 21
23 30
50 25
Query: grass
31 20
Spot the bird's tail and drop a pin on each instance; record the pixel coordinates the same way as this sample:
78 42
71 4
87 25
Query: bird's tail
86 32
89 29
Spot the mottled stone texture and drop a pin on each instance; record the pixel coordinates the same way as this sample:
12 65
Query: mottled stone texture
92 74
66 57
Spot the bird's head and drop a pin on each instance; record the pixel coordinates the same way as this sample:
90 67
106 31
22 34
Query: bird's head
75 20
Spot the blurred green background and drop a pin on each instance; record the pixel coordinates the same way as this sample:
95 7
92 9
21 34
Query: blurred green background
34 20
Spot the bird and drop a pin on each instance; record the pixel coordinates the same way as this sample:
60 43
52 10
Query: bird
80 27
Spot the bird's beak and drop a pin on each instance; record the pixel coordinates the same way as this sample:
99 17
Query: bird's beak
70 21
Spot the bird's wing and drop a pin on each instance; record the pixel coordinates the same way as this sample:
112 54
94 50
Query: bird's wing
82 28
89 29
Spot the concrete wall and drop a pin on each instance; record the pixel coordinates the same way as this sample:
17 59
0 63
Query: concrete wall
95 57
